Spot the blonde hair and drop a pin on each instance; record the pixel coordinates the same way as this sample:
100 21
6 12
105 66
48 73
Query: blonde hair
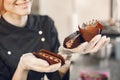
2 10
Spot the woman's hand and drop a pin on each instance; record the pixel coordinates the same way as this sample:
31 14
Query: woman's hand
88 47
96 44
29 62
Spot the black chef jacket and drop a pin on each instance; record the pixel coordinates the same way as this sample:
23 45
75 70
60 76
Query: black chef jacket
39 33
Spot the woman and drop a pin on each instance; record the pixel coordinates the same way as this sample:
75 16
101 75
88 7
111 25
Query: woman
22 33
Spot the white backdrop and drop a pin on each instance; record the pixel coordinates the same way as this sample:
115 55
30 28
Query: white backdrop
66 18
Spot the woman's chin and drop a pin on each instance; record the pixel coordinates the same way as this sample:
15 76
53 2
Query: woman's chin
24 13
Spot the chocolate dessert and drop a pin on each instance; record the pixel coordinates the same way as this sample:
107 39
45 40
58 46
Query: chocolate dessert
73 40
90 30
50 57
82 35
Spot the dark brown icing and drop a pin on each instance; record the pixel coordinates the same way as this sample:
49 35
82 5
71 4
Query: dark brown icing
73 40
50 57
84 34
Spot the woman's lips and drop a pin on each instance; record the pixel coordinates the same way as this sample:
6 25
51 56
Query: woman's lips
23 5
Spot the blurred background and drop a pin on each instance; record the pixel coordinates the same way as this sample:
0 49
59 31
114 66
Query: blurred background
68 14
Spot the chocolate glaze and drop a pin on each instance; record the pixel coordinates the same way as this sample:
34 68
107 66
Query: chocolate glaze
84 34
50 57
74 40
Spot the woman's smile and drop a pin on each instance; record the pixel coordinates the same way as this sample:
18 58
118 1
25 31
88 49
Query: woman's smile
23 5
18 7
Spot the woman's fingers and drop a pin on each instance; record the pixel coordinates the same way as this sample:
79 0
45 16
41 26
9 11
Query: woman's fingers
46 68
103 42
41 62
78 49
51 68
81 47
88 47
107 41
93 42
30 62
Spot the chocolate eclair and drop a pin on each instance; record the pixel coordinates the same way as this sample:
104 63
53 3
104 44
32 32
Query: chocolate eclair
50 57
83 34
73 40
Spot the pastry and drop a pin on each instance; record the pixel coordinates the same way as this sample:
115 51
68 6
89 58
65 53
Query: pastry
50 57
73 40
82 35
90 30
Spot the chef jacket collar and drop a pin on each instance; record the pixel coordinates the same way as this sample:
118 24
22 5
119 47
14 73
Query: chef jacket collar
12 27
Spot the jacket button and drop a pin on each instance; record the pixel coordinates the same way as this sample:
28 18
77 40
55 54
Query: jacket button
9 52
43 39
40 32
